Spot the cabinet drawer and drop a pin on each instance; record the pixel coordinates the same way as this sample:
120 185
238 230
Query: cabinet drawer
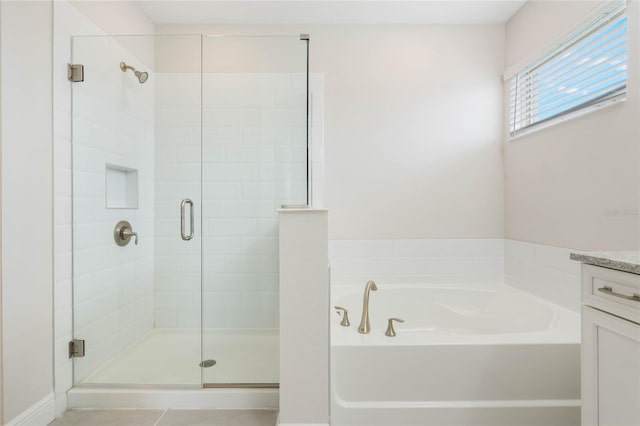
612 291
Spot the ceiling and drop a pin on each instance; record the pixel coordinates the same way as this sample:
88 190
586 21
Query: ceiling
329 11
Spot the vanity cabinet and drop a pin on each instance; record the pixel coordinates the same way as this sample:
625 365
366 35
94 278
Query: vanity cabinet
610 347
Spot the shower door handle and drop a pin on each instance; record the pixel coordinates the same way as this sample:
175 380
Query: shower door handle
182 230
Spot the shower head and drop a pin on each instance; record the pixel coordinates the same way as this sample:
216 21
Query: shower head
142 76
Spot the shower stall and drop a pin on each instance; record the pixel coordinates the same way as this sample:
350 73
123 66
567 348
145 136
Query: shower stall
183 149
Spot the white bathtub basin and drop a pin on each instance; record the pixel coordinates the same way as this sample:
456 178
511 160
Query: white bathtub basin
480 355
456 310
454 314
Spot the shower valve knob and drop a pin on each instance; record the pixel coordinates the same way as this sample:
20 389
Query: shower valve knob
122 234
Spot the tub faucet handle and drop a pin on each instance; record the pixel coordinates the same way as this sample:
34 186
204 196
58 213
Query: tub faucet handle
391 332
345 318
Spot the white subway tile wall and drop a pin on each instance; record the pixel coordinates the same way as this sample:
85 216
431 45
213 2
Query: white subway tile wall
113 123
316 138
420 261
178 173
253 160
544 271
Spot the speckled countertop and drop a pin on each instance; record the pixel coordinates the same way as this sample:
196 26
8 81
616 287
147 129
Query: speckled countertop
627 261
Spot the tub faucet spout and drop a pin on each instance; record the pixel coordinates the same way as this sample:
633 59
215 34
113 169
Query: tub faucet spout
365 326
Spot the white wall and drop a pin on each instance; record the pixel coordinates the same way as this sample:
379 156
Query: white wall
1 107
558 18
412 131
575 184
393 95
1 351
27 195
304 335
117 17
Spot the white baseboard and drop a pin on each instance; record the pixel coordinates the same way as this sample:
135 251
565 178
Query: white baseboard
302 424
61 404
298 424
41 413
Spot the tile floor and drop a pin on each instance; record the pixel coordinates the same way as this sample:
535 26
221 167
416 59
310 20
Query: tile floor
166 418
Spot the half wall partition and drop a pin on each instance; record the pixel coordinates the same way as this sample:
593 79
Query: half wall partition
177 177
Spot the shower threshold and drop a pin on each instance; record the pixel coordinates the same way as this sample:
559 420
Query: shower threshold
97 397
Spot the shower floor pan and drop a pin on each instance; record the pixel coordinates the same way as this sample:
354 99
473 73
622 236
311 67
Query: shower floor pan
173 356
162 370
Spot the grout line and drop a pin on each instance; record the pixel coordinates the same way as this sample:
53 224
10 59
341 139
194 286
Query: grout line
161 416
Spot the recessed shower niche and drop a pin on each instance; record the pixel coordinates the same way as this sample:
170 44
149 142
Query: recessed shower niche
121 187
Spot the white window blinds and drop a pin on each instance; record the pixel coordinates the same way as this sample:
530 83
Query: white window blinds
587 70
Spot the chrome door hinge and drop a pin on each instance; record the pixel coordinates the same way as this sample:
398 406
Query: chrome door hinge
75 72
76 348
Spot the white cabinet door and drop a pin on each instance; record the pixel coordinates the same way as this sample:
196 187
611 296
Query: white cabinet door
610 370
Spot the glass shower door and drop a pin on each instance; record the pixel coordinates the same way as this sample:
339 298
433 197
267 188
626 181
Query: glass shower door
136 166
254 157
184 148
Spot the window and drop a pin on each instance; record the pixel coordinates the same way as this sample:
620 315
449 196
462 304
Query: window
586 71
